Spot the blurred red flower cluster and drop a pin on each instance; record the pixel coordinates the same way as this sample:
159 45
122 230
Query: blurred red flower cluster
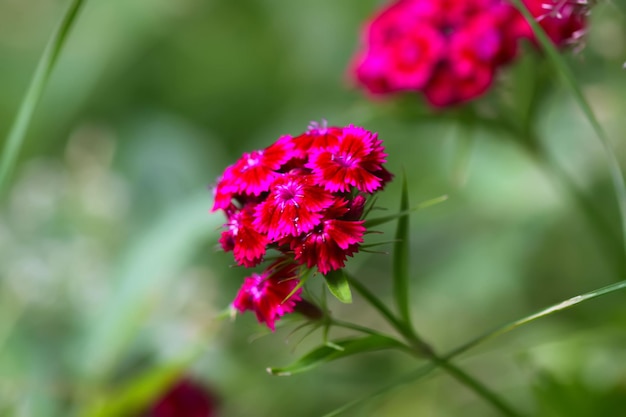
185 398
450 50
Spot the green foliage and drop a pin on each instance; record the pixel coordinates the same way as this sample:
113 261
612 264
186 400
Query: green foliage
337 283
109 273
340 349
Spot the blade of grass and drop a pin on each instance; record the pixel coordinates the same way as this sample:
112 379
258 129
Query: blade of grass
568 77
17 133
400 263
563 305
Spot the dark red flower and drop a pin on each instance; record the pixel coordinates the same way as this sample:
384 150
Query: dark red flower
267 294
185 398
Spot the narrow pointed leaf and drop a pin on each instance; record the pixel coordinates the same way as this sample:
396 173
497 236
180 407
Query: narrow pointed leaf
324 354
377 221
16 135
401 258
337 283
563 305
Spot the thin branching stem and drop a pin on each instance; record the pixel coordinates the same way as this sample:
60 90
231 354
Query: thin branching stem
425 370
423 350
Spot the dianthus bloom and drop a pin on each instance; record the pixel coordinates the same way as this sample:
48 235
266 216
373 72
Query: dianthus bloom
450 50
270 294
303 197
185 398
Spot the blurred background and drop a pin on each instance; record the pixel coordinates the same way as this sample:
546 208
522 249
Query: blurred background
109 271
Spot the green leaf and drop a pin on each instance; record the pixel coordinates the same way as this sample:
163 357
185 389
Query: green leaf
337 283
386 219
570 81
563 305
349 347
16 135
400 265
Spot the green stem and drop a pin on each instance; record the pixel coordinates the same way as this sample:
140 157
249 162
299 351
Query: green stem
425 370
615 170
477 387
17 133
422 350
405 330
400 259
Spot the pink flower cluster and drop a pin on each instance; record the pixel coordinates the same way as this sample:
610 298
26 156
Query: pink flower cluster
450 49
304 197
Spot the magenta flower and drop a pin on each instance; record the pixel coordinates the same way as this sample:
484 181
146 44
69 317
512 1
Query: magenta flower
405 63
317 137
303 197
353 162
266 294
185 398
334 239
246 242
451 49
252 174
293 206
448 87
